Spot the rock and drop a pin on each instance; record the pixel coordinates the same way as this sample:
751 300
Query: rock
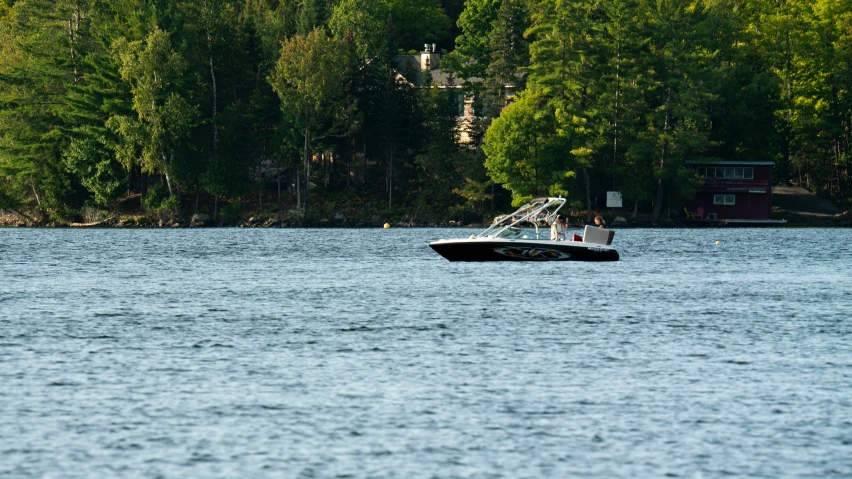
199 219
339 216
619 221
324 222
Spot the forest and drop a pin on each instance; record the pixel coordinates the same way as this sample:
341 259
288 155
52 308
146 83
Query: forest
303 109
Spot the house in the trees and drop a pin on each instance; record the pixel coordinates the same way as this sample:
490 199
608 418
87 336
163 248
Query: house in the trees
413 70
732 190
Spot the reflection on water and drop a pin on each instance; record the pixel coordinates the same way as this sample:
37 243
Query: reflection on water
361 353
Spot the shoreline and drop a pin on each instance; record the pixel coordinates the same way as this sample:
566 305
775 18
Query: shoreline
792 218
844 222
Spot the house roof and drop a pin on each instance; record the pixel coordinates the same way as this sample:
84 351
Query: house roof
731 163
409 67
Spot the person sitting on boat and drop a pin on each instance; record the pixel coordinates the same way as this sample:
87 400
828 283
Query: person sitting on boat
599 222
557 232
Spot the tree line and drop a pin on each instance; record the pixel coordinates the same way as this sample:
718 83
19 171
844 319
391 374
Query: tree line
622 94
300 105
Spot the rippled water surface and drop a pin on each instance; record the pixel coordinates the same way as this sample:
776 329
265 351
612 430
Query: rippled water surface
361 353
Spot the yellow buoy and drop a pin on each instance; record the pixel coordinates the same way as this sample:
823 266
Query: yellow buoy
387 226
718 242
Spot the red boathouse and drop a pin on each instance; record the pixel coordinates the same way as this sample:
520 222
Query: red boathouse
732 190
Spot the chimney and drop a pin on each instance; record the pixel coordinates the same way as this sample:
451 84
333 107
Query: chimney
429 58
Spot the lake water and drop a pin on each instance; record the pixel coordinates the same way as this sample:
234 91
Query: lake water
361 353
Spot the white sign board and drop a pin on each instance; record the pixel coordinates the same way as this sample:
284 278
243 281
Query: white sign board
613 199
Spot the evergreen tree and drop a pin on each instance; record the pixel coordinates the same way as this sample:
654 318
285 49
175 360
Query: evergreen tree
41 62
677 124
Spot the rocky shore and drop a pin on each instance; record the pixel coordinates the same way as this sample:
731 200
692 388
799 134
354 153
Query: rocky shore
200 220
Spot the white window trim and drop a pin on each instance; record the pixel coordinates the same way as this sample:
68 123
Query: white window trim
722 199
713 172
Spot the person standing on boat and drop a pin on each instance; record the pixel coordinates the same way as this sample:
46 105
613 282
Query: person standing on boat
557 231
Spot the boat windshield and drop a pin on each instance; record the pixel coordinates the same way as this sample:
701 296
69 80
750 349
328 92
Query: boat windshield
530 221
522 233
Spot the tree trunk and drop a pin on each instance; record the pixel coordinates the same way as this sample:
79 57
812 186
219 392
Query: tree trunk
215 206
658 203
298 189
668 206
836 173
660 182
143 183
327 165
208 14
215 126
307 173
588 196
73 29
349 162
390 178
615 122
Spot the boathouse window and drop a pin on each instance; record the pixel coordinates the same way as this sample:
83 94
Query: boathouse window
727 172
724 199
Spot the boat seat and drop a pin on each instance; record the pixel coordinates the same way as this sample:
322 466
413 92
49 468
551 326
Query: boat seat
595 235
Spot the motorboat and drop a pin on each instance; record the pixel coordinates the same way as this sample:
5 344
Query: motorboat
525 236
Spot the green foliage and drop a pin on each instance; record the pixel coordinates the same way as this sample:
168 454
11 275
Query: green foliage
92 162
231 211
39 63
164 117
378 27
228 101
523 152
160 206
308 77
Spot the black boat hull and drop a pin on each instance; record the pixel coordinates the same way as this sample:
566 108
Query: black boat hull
508 250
